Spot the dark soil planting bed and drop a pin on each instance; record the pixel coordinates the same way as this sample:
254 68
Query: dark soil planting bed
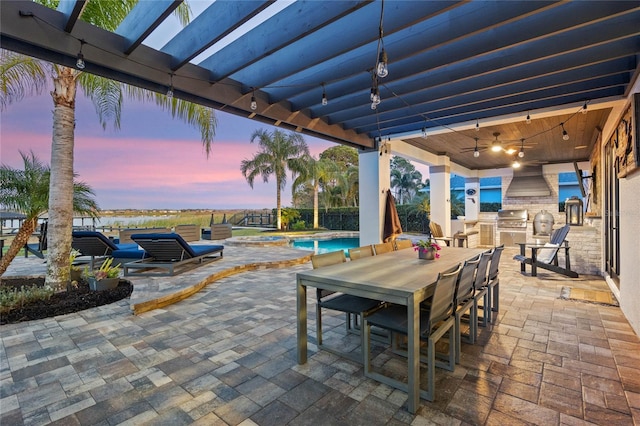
73 300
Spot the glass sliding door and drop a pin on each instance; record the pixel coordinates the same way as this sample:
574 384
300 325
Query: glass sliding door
611 214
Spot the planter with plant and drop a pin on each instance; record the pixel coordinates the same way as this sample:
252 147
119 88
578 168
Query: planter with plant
106 277
427 249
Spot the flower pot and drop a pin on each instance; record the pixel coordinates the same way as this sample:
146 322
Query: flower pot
103 284
428 254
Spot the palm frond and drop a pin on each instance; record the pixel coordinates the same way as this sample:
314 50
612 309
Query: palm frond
106 95
20 76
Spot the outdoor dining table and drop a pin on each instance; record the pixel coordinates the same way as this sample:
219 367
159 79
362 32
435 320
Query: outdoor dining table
396 277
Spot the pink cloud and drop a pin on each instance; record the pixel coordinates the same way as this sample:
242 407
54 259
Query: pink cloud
154 161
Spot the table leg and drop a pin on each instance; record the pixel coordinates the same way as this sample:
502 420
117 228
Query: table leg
413 355
522 253
301 312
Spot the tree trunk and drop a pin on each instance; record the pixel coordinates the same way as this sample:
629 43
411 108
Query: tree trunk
278 206
61 184
21 238
315 204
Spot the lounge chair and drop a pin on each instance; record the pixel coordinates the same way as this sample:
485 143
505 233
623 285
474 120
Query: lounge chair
169 254
546 256
97 245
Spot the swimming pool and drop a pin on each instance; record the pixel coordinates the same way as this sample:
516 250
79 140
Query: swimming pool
326 245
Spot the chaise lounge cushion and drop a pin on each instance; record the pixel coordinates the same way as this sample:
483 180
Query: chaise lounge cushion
170 254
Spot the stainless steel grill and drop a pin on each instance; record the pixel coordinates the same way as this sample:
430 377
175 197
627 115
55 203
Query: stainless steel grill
512 219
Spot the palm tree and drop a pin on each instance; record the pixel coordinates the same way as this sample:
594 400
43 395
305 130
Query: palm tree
315 173
27 191
278 152
22 75
405 178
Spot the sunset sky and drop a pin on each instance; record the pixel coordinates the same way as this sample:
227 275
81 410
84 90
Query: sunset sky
153 161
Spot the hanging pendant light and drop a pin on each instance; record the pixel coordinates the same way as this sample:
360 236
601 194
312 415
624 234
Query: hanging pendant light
521 153
476 153
584 108
325 101
565 135
382 69
528 118
477 125
254 103
170 89
80 58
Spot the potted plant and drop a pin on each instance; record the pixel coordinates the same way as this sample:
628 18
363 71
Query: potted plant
427 249
105 278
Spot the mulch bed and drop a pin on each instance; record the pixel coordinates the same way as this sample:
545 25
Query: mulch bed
72 300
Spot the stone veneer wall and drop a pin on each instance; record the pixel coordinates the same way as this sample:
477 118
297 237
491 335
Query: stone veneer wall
586 247
585 242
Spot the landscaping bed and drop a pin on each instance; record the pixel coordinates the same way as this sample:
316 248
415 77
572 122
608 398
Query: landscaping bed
73 300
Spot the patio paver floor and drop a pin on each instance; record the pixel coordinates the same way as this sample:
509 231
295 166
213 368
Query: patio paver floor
226 355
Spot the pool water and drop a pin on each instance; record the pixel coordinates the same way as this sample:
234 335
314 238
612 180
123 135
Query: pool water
327 245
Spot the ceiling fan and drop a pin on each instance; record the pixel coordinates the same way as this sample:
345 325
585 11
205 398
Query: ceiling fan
496 146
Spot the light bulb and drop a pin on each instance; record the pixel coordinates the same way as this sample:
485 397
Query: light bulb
374 105
382 69
584 108
80 62
495 147
521 154
516 164
565 135
477 126
254 104
424 132
528 119
324 99
476 153
375 98
170 92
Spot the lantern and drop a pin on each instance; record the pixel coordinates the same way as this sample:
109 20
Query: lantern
574 211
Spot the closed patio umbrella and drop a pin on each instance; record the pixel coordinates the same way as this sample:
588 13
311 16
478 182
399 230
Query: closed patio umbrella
392 226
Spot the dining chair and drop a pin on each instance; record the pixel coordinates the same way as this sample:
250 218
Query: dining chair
464 302
494 281
436 321
352 306
360 252
403 244
481 290
383 248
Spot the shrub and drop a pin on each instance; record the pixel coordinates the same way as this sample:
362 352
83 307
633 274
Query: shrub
299 226
12 298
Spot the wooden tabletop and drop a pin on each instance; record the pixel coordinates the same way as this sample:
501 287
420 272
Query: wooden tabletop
392 277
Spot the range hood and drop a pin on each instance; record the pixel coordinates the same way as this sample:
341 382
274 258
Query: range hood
528 181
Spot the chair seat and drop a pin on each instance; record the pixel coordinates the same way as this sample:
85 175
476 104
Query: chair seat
349 303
